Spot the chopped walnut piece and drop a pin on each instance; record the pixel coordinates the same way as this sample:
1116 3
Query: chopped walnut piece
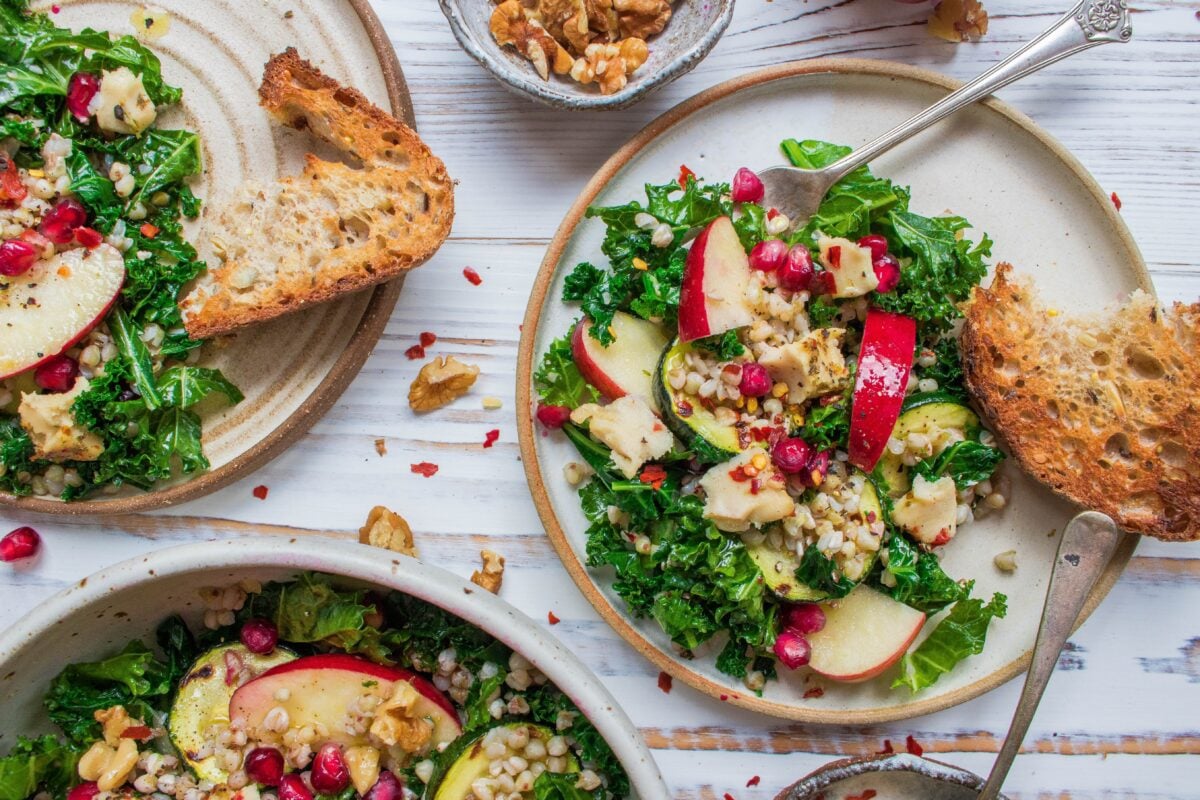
441 381
492 574
114 721
398 722
387 529
604 64
510 26
958 20
642 18
634 52
381 446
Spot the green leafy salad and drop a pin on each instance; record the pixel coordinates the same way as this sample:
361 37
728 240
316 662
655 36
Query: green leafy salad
303 690
99 381
774 438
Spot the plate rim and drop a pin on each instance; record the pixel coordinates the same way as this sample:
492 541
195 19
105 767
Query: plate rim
617 619
347 366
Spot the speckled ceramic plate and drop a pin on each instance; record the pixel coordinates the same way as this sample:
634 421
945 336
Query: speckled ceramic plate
103 612
990 164
294 368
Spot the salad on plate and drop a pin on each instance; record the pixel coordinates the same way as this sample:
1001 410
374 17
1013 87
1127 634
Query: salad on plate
99 381
308 689
774 439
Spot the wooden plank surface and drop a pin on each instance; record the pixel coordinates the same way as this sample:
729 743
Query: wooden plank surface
1122 718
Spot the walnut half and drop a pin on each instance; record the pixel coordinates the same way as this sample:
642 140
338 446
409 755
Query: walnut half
492 574
511 26
441 381
387 529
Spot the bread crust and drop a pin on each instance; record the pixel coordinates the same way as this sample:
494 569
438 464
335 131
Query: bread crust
1102 409
373 220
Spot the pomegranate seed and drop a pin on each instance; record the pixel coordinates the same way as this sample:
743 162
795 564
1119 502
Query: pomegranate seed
56 374
796 271
553 417
80 92
84 791
60 222
792 649
89 237
24 542
768 255
791 456
264 766
805 618
747 186
887 271
16 257
472 276
877 244
388 787
817 468
259 635
329 772
291 787
822 283
756 381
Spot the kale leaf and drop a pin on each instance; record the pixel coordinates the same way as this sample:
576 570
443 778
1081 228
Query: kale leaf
920 581
967 462
946 369
725 346
558 380
827 427
961 634
559 786
547 703
42 764
818 571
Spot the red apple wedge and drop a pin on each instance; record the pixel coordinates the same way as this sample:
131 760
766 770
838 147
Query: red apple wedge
626 365
884 364
319 689
55 304
712 297
865 633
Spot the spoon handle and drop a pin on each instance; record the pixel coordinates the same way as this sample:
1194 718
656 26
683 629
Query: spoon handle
1087 546
1090 23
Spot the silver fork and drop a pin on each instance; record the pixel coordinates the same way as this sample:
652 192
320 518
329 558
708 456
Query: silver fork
797 193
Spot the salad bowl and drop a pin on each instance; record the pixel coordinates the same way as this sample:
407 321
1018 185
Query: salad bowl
104 612
1075 242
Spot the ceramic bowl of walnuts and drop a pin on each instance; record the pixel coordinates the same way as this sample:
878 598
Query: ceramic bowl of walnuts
585 54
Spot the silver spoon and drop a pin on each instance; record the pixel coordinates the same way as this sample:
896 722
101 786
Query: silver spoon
1087 545
797 193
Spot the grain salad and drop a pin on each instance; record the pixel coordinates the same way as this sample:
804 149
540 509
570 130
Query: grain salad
773 431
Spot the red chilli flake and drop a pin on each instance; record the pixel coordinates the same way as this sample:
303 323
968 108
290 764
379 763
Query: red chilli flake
426 468
887 748
739 474
654 475
684 174
772 213
664 682
139 732
470 274
490 437
815 691
866 795
835 256
551 618
260 492
1116 201
913 746
428 338
753 781
415 353
728 796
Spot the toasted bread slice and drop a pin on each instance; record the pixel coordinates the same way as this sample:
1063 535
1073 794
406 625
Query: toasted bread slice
332 229
1101 408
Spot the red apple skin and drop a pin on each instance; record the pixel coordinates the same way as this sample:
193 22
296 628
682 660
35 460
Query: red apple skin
693 313
588 368
78 338
884 365
878 669
349 663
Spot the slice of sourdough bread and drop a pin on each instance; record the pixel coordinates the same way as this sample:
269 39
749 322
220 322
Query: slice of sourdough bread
332 229
1102 408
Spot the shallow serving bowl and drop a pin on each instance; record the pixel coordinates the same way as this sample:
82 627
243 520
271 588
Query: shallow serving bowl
694 29
103 612
890 777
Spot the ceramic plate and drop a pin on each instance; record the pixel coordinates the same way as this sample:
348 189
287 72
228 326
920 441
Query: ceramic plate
294 368
989 164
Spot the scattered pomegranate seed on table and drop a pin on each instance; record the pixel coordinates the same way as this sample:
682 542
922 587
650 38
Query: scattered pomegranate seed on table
471 275
753 781
728 796
664 682
887 748
552 618
490 437
260 492
415 352
428 338
264 765
259 635
913 746
1116 201
426 468
24 542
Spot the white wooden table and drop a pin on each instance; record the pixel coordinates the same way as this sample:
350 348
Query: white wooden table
1122 718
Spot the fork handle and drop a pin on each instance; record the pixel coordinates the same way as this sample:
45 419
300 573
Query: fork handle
1090 23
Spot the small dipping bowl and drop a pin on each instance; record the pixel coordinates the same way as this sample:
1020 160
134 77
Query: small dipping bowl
899 776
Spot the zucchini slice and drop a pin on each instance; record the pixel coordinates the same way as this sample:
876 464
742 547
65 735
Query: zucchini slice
466 762
696 427
930 413
779 567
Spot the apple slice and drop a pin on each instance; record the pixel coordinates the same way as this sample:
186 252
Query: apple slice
626 366
865 633
55 304
320 689
884 363
712 297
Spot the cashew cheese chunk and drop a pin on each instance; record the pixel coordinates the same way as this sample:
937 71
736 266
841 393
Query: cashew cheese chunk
122 105
811 366
850 265
745 490
929 511
629 428
55 434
